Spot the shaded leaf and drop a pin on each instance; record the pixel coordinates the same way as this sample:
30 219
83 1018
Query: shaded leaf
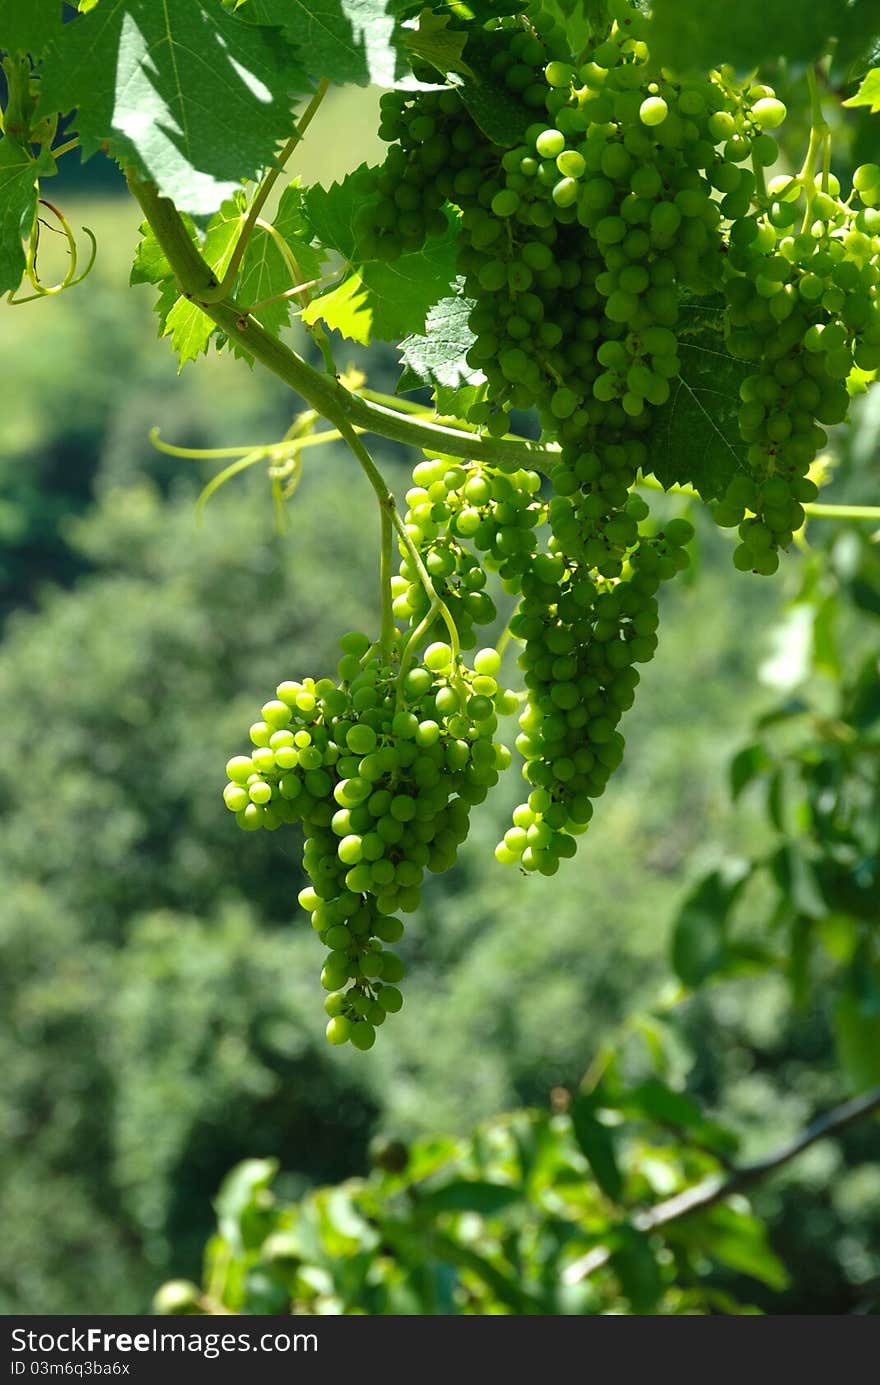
796 879
497 112
636 1267
596 1142
746 766
746 35
469 1195
699 933
694 437
857 1026
29 26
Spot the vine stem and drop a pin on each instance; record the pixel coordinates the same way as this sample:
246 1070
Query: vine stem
324 392
264 190
391 517
717 1188
386 565
818 148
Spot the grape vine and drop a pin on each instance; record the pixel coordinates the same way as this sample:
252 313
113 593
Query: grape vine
599 206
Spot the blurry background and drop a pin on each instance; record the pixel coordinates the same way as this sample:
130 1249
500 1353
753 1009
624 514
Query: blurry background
161 1013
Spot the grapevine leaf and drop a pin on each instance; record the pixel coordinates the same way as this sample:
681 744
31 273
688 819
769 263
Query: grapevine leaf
29 26
343 40
437 357
18 202
433 41
266 272
492 107
693 37
868 93
694 438
138 72
386 302
578 18
330 211
189 328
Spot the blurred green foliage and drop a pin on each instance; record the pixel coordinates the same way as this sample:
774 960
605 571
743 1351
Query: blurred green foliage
160 1006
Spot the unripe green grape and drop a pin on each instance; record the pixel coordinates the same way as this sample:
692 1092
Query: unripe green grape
550 143
769 112
339 1030
653 111
362 1035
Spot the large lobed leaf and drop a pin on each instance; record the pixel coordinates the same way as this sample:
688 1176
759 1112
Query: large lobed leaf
29 26
356 41
137 71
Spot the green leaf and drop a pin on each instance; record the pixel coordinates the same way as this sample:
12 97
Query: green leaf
736 1239
747 766
578 19
660 1102
469 1195
857 1027
699 934
265 273
596 1142
499 115
694 438
636 1267
239 1204
437 357
432 40
343 40
796 880
330 211
386 302
749 34
18 202
868 93
29 26
189 328
138 72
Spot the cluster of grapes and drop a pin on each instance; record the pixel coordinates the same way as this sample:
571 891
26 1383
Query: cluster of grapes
381 769
496 509
802 306
628 192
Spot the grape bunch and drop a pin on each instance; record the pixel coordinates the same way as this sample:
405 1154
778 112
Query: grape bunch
622 194
494 510
802 306
381 769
